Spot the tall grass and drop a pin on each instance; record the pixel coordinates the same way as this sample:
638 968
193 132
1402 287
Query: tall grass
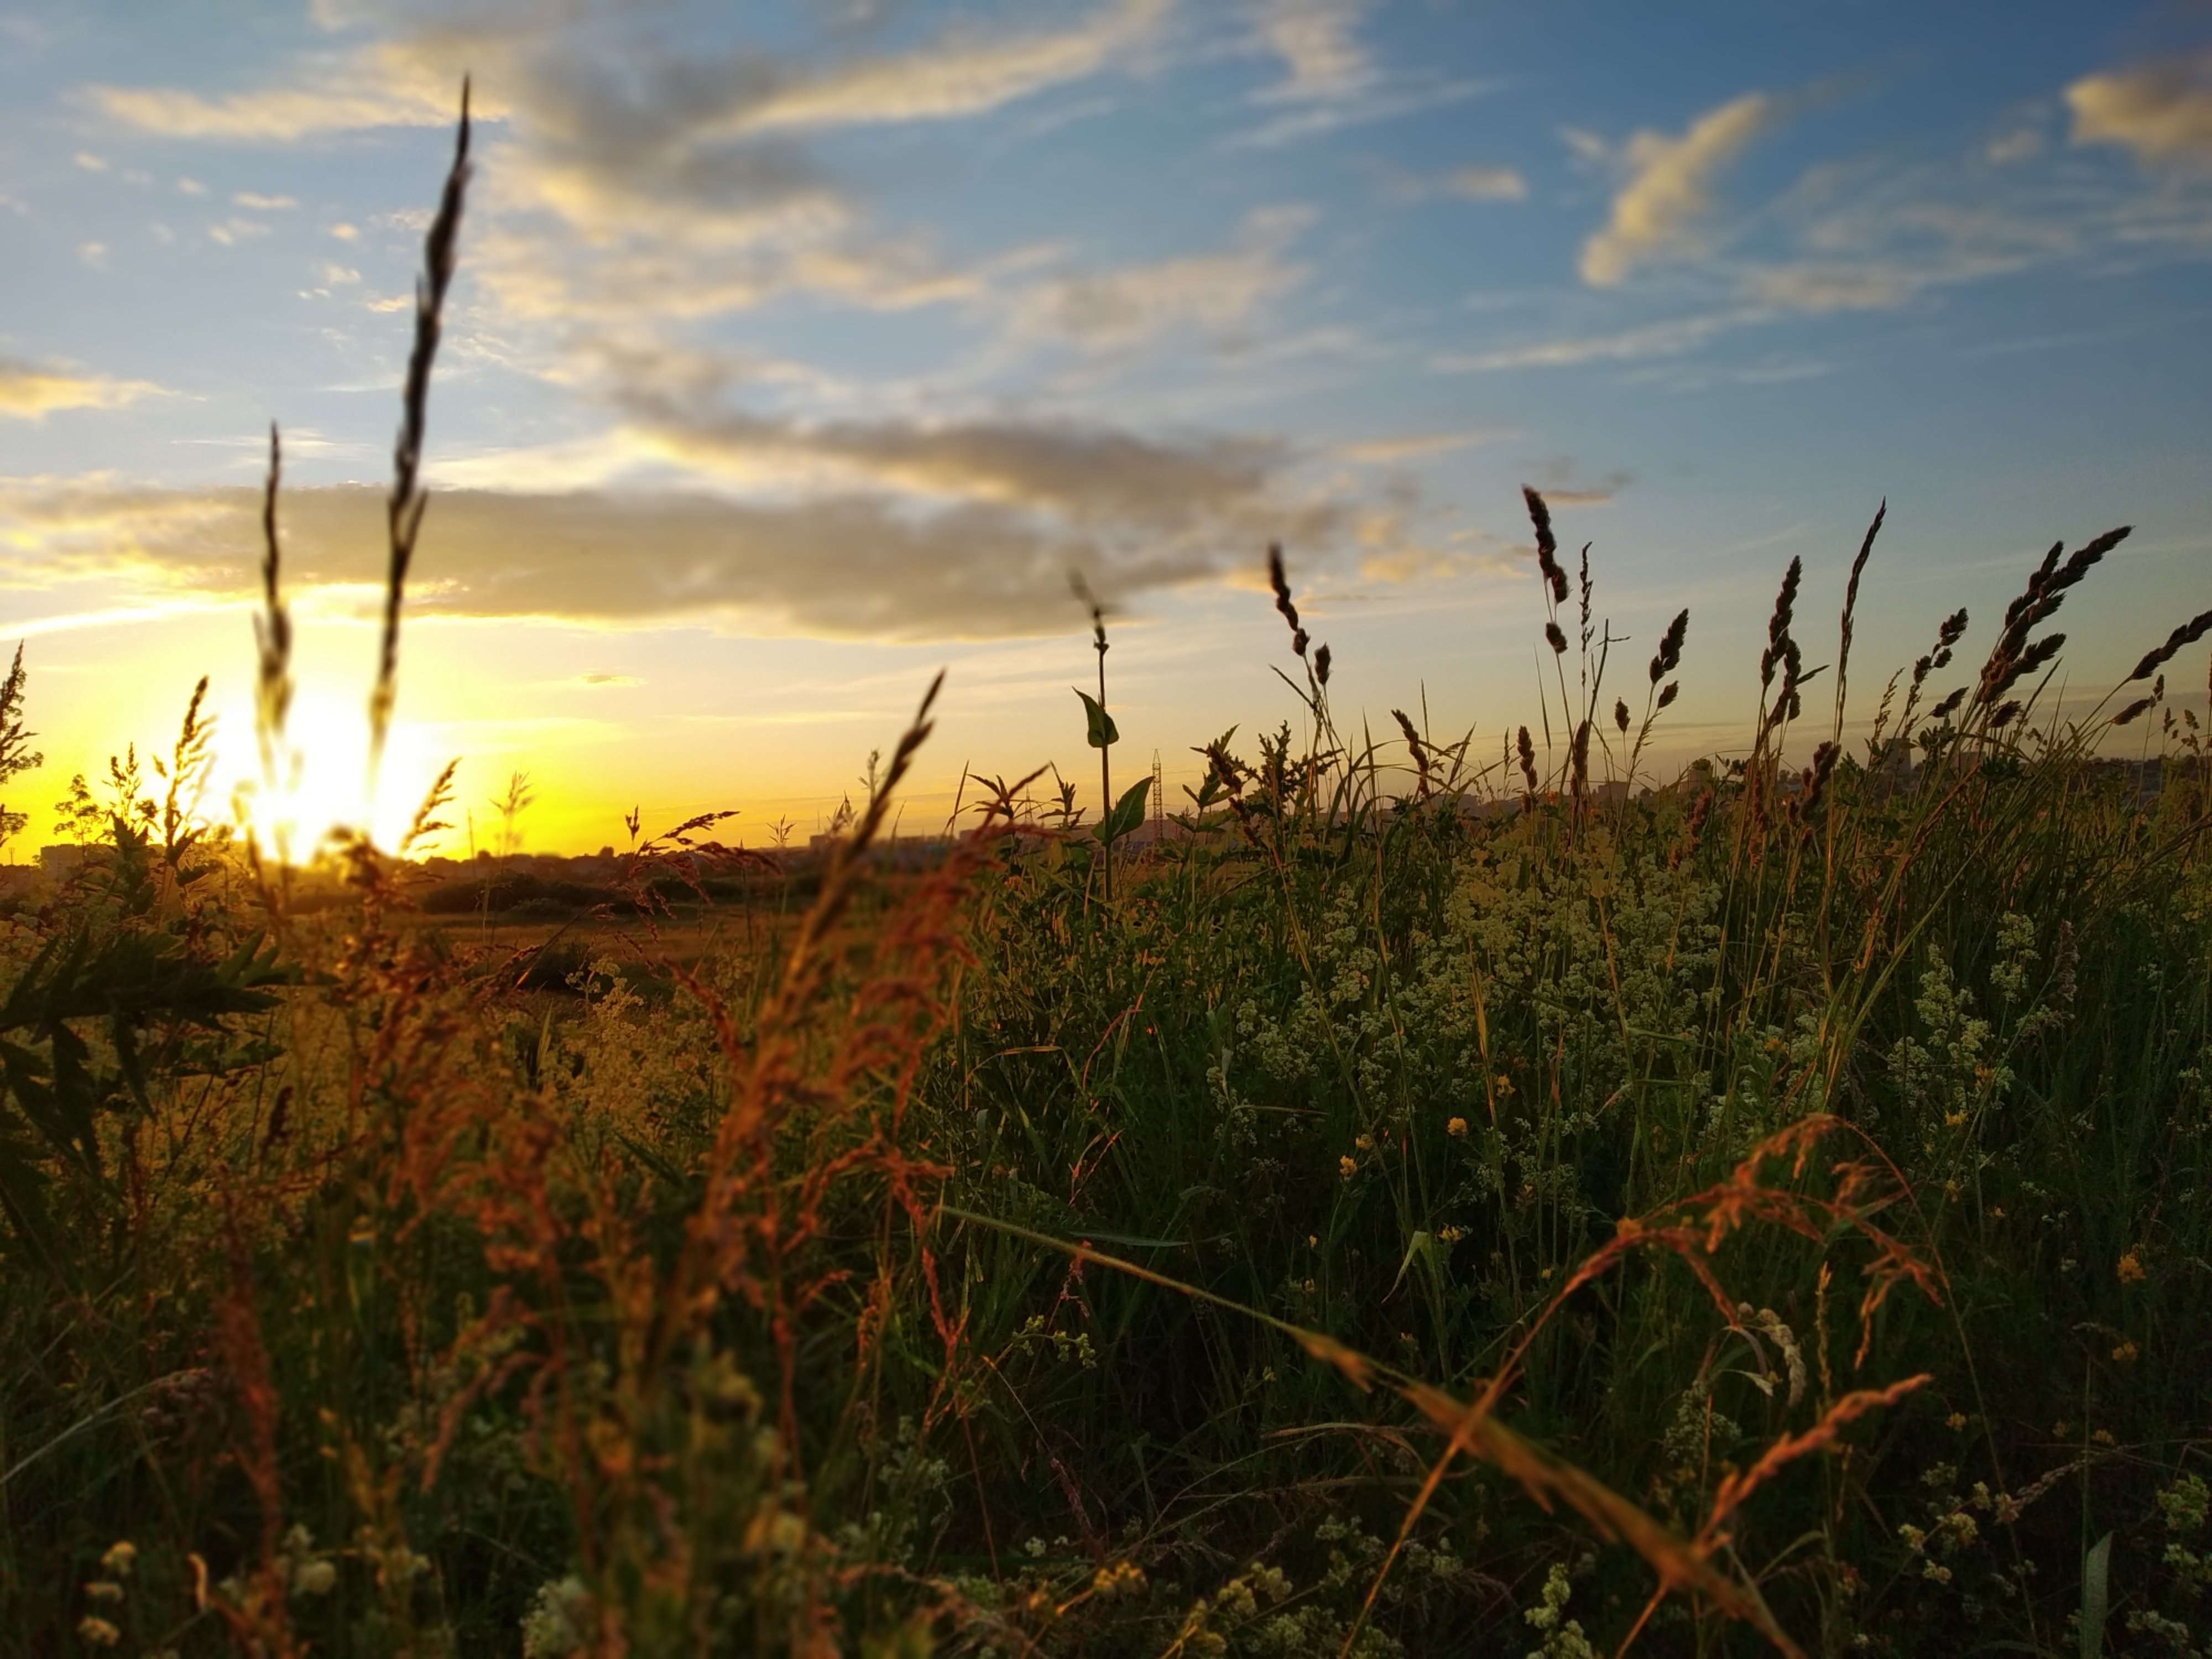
1432 1206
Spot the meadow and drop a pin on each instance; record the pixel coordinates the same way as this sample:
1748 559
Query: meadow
1436 1199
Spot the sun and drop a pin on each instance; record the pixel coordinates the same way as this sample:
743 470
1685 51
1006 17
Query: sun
323 785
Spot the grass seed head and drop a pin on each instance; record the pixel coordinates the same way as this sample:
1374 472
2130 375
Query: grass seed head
1668 657
1547 545
1280 584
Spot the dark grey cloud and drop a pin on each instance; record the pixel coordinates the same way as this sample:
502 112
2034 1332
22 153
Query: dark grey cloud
991 561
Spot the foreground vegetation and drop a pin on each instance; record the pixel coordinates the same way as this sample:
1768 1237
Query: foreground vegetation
1432 1203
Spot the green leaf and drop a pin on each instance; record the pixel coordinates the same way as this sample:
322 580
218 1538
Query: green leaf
1128 812
1104 732
2096 1595
1420 1245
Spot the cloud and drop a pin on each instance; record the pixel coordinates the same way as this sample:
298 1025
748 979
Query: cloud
234 230
1660 339
1815 289
361 94
967 73
1331 80
29 392
410 80
1096 480
247 199
1482 184
1656 213
1116 310
879 530
1317 41
2161 111
1391 452
1472 183
637 176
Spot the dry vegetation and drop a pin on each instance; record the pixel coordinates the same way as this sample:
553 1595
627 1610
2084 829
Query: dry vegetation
1435 1204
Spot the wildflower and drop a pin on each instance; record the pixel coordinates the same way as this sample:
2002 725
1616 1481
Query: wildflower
1346 1166
2131 1268
314 1578
103 1590
1123 1576
98 1632
1449 1235
1955 1421
1365 1143
121 1556
1456 1128
2102 1437
2126 1352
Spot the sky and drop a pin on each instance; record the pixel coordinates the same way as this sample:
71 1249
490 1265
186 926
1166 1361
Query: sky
800 350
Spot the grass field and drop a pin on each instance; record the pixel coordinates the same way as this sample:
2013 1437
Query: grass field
1436 1204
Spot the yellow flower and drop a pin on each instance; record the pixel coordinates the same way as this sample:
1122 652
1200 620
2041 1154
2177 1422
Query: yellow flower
98 1632
1955 1421
1346 1166
1456 1128
2131 1269
2102 1437
2126 1352
1365 1143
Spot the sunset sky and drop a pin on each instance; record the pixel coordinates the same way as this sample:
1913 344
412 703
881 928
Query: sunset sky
800 350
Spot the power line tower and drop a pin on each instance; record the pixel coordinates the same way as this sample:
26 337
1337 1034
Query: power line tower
1159 802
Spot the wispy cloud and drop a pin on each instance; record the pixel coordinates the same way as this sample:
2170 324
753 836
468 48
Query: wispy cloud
848 565
1661 339
1472 183
1486 184
1216 293
1658 211
1417 447
1330 78
363 91
31 393
407 81
968 72
1319 45
2162 112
